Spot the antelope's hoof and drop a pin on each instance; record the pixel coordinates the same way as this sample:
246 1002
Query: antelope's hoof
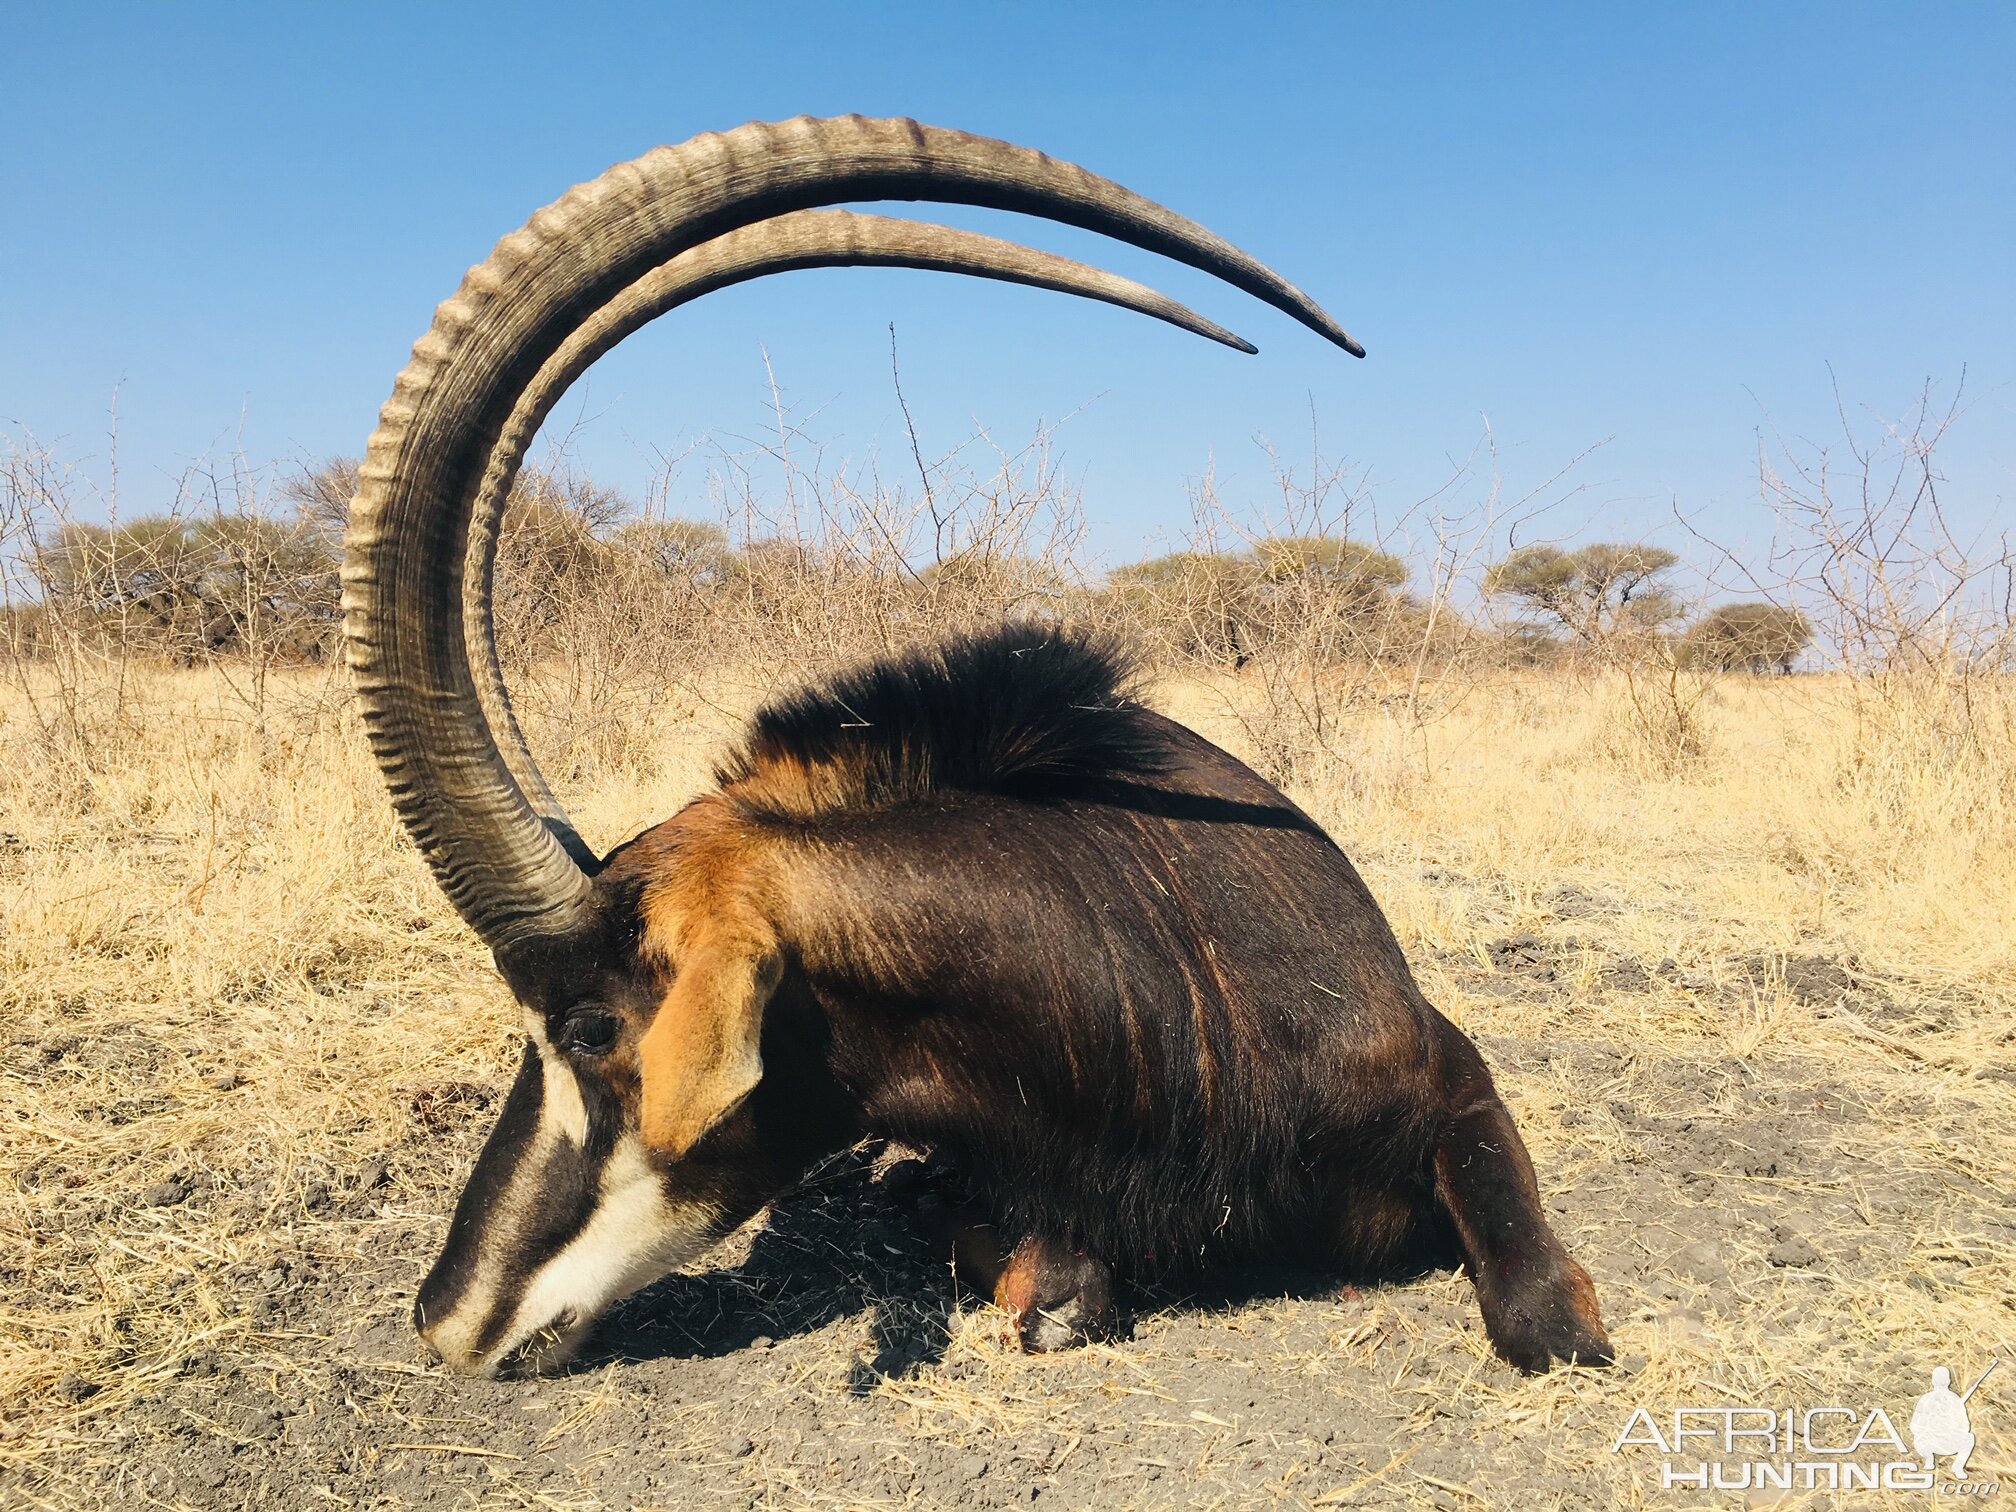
1549 1317
1056 1297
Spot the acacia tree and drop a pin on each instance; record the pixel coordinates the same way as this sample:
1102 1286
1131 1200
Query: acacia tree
1193 602
1749 637
1324 597
1597 593
189 587
1613 606
1327 599
1355 572
689 551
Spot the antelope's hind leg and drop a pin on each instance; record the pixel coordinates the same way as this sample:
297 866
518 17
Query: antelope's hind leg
1539 1306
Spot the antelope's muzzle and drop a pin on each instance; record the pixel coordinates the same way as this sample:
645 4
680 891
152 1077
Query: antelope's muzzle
565 1214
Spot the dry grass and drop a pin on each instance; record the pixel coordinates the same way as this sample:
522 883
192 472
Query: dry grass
1761 997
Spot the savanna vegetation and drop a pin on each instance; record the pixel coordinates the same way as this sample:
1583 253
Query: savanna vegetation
1721 879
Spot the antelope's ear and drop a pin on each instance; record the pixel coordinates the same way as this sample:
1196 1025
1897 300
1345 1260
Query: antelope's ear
702 1054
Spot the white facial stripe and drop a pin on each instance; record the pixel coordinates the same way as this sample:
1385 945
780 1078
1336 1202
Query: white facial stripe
562 1116
561 1110
633 1237
456 1336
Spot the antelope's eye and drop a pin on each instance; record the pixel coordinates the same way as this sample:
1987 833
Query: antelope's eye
589 1032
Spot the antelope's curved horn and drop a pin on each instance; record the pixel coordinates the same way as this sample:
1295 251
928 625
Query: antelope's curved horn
801 239
511 876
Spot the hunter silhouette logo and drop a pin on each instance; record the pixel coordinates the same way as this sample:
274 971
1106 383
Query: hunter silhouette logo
1939 1423
1823 1448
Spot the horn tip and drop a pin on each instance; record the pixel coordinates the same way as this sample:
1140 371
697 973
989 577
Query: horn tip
1319 320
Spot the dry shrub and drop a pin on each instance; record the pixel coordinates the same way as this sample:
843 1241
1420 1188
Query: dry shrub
1919 616
1307 606
228 574
840 561
1335 630
1654 703
615 616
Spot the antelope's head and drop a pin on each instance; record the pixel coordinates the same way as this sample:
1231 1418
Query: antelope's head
637 1131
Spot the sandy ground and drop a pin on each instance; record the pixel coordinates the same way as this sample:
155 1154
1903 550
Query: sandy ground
1762 1049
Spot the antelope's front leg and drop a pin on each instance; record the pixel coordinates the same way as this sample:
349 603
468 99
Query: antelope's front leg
1056 1296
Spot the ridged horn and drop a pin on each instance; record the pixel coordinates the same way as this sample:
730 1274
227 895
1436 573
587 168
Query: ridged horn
801 239
441 437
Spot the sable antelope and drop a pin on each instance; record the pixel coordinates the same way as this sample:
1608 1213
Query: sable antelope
977 899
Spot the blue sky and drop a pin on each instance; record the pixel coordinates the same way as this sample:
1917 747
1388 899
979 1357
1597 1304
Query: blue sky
1654 227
